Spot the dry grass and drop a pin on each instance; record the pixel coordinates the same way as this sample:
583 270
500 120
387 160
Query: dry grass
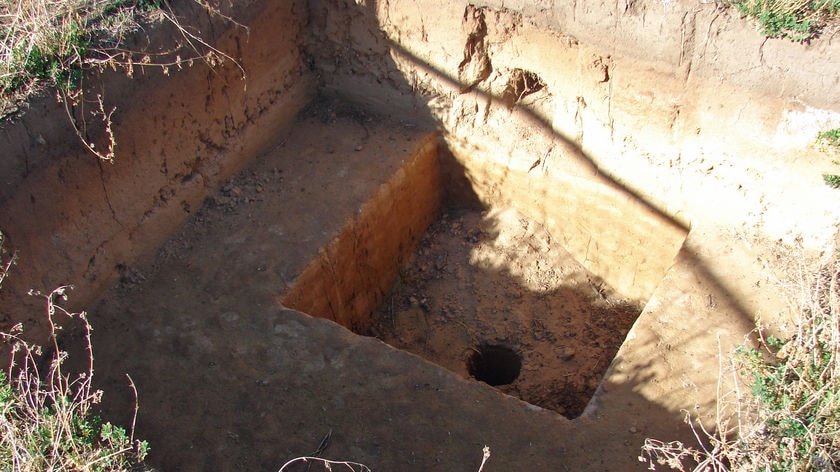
47 418
354 466
48 43
789 420
53 44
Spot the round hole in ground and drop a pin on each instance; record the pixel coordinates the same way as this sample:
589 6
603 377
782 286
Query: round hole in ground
494 364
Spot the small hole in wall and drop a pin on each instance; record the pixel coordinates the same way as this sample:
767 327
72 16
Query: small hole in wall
521 83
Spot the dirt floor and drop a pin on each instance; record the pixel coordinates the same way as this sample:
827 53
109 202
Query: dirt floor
228 379
498 278
160 323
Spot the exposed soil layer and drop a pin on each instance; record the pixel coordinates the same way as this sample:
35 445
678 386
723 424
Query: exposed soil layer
230 380
498 278
169 319
178 137
657 144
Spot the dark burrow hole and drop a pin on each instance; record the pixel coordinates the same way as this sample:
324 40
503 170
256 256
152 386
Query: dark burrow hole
494 364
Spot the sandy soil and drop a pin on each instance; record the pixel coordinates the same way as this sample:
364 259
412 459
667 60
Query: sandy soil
234 258
228 379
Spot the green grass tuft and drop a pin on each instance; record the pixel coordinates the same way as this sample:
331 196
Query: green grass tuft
829 142
791 418
797 20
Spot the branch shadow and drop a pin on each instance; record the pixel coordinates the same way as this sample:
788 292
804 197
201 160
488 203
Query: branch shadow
687 254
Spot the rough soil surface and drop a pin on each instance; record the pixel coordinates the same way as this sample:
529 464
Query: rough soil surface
498 278
165 321
179 136
228 379
587 113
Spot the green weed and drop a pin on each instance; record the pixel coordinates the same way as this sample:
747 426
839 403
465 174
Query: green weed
829 143
797 20
829 140
47 416
791 418
48 423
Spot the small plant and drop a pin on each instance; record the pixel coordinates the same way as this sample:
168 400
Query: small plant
797 20
829 139
328 464
829 143
47 43
354 466
47 423
791 418
51 45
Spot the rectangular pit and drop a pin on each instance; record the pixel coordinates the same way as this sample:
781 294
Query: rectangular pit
457 260
332 215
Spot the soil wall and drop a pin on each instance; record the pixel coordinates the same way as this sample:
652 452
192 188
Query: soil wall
72 219
682 104
351 276
619 127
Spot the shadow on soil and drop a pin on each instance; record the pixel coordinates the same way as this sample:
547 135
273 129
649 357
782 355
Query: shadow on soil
228 382
484 277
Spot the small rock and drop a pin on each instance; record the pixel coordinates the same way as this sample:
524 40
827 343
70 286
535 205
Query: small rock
358 148
230 316
424 304
440 263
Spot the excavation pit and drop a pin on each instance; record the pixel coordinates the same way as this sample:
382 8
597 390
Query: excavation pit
434 265
592 142
499 275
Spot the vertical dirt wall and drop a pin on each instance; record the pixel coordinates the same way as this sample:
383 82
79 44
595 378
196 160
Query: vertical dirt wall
612 233
495 83
73 219
350 277
662 98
